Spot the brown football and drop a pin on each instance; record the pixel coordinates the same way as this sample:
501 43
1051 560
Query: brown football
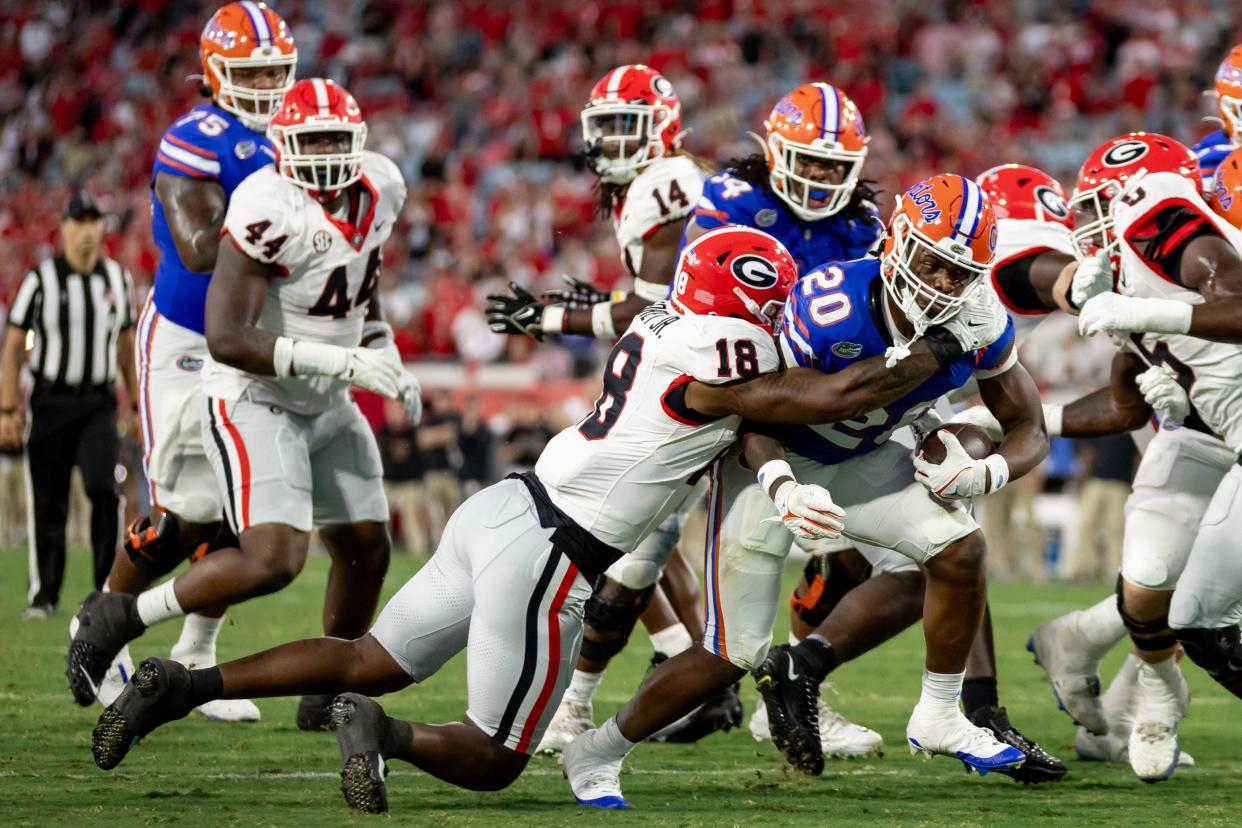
973 439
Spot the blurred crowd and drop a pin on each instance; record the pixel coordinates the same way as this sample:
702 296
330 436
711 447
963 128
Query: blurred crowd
478 102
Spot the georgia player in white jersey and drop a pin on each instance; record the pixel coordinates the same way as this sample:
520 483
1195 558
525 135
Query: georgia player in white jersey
514 570
631 132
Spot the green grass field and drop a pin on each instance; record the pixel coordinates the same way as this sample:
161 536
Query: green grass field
198 773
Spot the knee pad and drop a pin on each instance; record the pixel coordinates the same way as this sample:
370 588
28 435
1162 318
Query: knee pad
155 546
610 622
638 574
827 581
1218 652
1151 635
1155 547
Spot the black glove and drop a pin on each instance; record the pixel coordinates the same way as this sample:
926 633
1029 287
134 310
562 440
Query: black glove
520 313
580 295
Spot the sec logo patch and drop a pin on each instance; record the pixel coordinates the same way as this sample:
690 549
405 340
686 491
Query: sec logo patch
321 241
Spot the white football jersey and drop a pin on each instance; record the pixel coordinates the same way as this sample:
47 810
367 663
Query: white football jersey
631 461
1017 239
1213 369
666 190
331 271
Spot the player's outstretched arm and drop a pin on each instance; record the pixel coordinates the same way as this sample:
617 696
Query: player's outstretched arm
1013 399
808 396
234 301
1115 409
194 211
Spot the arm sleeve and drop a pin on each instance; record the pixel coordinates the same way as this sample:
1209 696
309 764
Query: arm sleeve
26 301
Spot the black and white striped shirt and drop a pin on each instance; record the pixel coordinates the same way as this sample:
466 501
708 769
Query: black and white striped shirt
76 318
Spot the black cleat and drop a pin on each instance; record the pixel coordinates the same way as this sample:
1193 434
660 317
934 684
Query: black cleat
1040 765
721 712
359 723
791 697
106 623
313 712
158 693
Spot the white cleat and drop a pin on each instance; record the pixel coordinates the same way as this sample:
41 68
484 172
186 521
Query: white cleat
595 780
219 710
955 736
115 679
1118 704
1153 743
839 737
1060 648
570 721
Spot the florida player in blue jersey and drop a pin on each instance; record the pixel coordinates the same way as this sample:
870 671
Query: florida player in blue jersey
1214 146
248 58
804 186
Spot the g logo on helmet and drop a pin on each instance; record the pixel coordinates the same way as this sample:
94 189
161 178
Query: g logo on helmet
1052 202
754 271
1125 152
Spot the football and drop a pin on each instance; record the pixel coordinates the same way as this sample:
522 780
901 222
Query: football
973 439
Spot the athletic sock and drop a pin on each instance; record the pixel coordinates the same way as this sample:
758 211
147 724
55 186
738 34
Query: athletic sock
979 692
1101 626
198 640
671 641
159 604
612 742
396 740
817 655
206 685
582 686
941 691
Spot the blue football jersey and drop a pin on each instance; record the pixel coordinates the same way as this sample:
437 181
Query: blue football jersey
210 144
727 199
835 317
1210 152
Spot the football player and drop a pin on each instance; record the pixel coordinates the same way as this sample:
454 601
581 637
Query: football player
292 320
248 57
941 244
631 134
1178 277
1214 146
512 575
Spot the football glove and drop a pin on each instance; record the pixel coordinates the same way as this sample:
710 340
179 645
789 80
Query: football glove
1114 313
1168 399
579 295
980 322
807 511
378 336
1093 276
520 313
959 475
363 367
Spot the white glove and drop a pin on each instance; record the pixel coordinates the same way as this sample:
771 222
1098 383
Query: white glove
959 475
808 512
1114 313
411 396
1168 399
1092 277
980 322
979 415
362 367
378 336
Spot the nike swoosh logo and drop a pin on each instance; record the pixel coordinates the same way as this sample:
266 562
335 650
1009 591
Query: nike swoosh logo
793 674
974 324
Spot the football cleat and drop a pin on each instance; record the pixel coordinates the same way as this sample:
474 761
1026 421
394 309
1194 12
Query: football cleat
218 710
570 721
158 693
106 622
118 675
954 735
1060 649
1153 743
838 736
359 724
1118 703
1040 765
313 712
792 699
595 780
721 712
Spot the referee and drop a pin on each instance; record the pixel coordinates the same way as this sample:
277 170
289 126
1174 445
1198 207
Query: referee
77 307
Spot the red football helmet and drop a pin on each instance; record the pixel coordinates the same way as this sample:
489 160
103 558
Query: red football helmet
1227 192
947 217
735 271
1017 191
632 118
814 125
1108 171
245 37
313 108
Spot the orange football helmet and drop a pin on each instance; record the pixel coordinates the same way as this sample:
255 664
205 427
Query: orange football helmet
1227 192
247 36
949 218
1229 93
316 106
813 124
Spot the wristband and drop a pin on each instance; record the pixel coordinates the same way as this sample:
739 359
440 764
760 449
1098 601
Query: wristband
650 291
553 320
1052 419
601 321
282 357
772 471
373 330
999 467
